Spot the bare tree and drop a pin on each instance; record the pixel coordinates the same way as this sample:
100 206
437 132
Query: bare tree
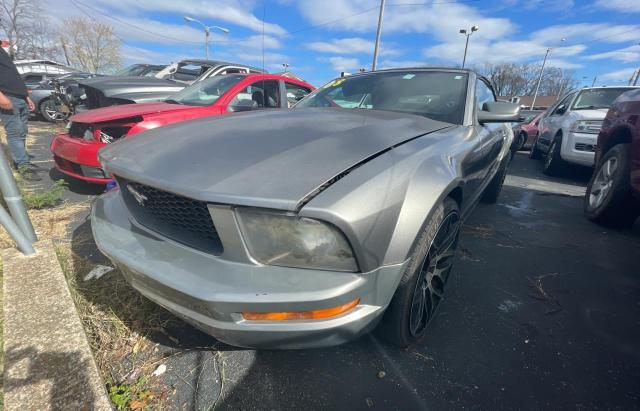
16 17
521 79
41 41
90 45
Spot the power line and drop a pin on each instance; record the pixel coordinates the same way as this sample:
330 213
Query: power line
326 23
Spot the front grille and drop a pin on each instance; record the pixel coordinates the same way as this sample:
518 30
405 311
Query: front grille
67 165
179 218
585 147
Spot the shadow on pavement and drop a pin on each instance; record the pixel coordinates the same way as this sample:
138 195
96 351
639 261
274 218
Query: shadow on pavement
52 372
76 186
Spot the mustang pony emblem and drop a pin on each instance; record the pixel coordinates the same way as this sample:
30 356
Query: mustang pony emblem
138 196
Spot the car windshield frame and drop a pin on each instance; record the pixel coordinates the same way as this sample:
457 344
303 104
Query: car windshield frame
574 105
456 114
224 85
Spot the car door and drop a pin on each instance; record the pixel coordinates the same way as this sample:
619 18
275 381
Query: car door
551 123
476 164
261 94
292 93
496 133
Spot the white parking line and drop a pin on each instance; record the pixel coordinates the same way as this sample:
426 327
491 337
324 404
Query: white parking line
546 186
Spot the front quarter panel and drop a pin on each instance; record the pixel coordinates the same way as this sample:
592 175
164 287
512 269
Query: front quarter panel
382 205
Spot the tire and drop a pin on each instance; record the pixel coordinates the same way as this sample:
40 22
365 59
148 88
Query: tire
522 138
405 320
608 199
49 112
492 191
553 162
535 153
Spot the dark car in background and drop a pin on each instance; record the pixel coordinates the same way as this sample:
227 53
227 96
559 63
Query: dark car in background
613 194
140 70
45 96
144 89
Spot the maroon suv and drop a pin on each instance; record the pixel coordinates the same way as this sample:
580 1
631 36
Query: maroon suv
613 194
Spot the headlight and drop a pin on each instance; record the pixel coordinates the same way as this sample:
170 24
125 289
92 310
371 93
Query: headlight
587 126
292 241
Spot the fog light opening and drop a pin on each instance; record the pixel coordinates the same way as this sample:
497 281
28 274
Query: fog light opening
301 315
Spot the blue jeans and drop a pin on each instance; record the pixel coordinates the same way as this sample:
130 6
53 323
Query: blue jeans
15 124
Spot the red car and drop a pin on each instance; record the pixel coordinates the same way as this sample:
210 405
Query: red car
613 194
76 151
525 132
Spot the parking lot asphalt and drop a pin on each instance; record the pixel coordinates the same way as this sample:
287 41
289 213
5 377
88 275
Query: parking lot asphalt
542 312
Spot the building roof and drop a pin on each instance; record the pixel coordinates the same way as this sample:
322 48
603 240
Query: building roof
525 101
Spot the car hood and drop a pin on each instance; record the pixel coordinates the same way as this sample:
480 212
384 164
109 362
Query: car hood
111 113
115 86
597 114
273 159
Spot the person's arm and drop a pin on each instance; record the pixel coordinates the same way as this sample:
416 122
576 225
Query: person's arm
5 103
32 107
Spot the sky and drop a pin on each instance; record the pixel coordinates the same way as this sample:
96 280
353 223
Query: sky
321 38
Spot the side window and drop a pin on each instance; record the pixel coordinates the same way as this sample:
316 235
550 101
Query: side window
483 94
259 95
564 103
295 93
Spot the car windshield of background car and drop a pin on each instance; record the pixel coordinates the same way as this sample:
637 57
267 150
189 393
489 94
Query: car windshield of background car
206 92
598 98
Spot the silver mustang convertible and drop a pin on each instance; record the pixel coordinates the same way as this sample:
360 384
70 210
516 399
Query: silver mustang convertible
307 227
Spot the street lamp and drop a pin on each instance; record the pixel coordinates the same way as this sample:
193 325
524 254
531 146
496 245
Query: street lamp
467 34
207 29
535 95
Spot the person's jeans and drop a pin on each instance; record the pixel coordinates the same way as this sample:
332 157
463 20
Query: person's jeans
15 124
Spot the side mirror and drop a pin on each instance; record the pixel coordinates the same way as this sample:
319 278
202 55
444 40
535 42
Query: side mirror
499 112
245 105
561 109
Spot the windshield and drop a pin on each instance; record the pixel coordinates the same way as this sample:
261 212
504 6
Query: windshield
206 92
439 95
138 71
597 98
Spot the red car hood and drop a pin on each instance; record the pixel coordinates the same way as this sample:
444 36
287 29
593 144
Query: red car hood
100 115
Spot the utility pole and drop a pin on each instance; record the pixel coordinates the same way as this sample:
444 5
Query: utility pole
535 95
378 32
207 30
64 50
467 34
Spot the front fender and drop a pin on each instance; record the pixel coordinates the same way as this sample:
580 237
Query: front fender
382 205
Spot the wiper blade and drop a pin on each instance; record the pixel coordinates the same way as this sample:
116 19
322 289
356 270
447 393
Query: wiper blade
172 101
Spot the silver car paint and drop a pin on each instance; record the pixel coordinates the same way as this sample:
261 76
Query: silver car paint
381 204
209 291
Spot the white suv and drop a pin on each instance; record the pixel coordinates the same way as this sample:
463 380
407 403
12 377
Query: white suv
568 131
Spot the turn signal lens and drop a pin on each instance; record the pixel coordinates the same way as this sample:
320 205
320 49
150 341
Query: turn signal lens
301 315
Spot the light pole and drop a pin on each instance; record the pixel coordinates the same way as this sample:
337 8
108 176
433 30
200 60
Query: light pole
378 32
207 30
535 94
467 34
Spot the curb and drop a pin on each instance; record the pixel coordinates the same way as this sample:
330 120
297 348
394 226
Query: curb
48 363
